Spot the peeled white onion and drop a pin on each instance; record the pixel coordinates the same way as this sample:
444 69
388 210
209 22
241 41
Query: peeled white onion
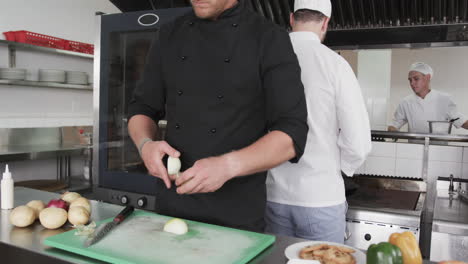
173 165
176 226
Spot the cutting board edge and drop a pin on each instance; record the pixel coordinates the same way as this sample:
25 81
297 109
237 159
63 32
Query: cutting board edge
267 241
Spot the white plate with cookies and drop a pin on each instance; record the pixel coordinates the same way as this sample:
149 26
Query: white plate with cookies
325 252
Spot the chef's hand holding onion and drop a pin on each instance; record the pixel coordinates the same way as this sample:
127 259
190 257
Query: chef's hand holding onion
153 153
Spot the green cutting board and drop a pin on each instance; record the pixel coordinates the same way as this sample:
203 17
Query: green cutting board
141 239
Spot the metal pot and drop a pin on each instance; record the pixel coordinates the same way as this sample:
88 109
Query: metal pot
440 127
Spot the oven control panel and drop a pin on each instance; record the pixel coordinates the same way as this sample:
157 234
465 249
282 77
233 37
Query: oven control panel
361 233
138 200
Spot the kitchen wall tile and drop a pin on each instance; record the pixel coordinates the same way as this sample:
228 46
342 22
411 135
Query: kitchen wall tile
379 112
409 151
465 171
380 166
383 149
408 168
444 169
442 188
465 154
445 153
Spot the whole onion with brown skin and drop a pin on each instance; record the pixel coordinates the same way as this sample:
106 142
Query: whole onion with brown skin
58 203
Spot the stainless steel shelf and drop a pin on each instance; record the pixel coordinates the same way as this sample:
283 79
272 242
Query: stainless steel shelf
44 49
34 152
46 84
406 135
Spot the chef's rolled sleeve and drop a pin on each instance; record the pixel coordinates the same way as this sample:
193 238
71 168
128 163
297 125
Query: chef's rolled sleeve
285 99
399 117
149 96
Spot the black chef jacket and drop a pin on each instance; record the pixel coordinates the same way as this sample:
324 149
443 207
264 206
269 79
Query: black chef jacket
222 85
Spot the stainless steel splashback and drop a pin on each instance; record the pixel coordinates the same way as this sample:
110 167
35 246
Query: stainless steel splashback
43 136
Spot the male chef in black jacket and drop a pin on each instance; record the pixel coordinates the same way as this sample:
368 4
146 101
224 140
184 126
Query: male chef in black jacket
228 83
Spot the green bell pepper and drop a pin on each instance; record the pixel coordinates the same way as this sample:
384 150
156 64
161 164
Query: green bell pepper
384 253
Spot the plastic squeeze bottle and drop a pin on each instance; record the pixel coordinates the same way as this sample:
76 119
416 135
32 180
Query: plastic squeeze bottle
7 190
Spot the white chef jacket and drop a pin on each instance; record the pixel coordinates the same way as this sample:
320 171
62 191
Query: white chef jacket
436 106
339 133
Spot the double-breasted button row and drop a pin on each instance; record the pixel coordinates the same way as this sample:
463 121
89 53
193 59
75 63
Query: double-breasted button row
212 131
180 93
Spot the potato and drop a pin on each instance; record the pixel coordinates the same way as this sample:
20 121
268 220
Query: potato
53 217
37 206
82 202
69 197
22 216
78 215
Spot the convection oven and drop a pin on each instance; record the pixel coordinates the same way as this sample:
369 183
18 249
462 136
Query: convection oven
121 50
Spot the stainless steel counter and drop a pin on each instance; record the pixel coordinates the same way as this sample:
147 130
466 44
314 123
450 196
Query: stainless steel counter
21 245
450 229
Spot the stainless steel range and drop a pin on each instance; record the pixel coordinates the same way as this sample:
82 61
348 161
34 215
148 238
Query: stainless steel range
382 206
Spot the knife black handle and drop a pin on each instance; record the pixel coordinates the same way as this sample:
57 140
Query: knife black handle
122 215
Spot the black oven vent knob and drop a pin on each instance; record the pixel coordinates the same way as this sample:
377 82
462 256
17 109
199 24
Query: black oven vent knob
367 237
124 199
141 202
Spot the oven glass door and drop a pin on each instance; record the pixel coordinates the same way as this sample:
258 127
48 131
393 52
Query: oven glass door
124 47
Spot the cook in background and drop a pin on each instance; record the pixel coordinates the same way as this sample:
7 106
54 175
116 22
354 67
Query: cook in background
229 84
307 199
425 104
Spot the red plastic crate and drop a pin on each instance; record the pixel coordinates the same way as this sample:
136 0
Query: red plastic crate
79 47
39 39
9 35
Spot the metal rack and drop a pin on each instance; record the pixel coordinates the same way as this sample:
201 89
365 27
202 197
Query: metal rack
12 48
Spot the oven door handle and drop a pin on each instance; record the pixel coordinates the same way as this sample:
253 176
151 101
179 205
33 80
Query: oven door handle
347 234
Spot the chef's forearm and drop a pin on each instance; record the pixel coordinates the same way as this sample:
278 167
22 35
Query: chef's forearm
465 125
141 127
268 152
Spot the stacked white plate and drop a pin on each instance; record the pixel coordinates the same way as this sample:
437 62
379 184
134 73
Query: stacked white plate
76 77
12 74
46 75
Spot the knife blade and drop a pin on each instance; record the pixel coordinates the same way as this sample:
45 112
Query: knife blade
109 226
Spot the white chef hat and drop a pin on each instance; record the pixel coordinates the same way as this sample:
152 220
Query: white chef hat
323 6
422 68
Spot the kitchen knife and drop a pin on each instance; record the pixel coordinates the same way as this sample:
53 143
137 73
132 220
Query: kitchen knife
109 226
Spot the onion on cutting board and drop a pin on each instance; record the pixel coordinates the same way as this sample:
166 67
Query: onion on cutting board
176 226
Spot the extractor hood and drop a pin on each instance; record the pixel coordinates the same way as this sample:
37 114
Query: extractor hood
358 23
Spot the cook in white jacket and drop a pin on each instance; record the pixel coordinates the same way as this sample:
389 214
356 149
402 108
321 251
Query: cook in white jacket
307 199
425 104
